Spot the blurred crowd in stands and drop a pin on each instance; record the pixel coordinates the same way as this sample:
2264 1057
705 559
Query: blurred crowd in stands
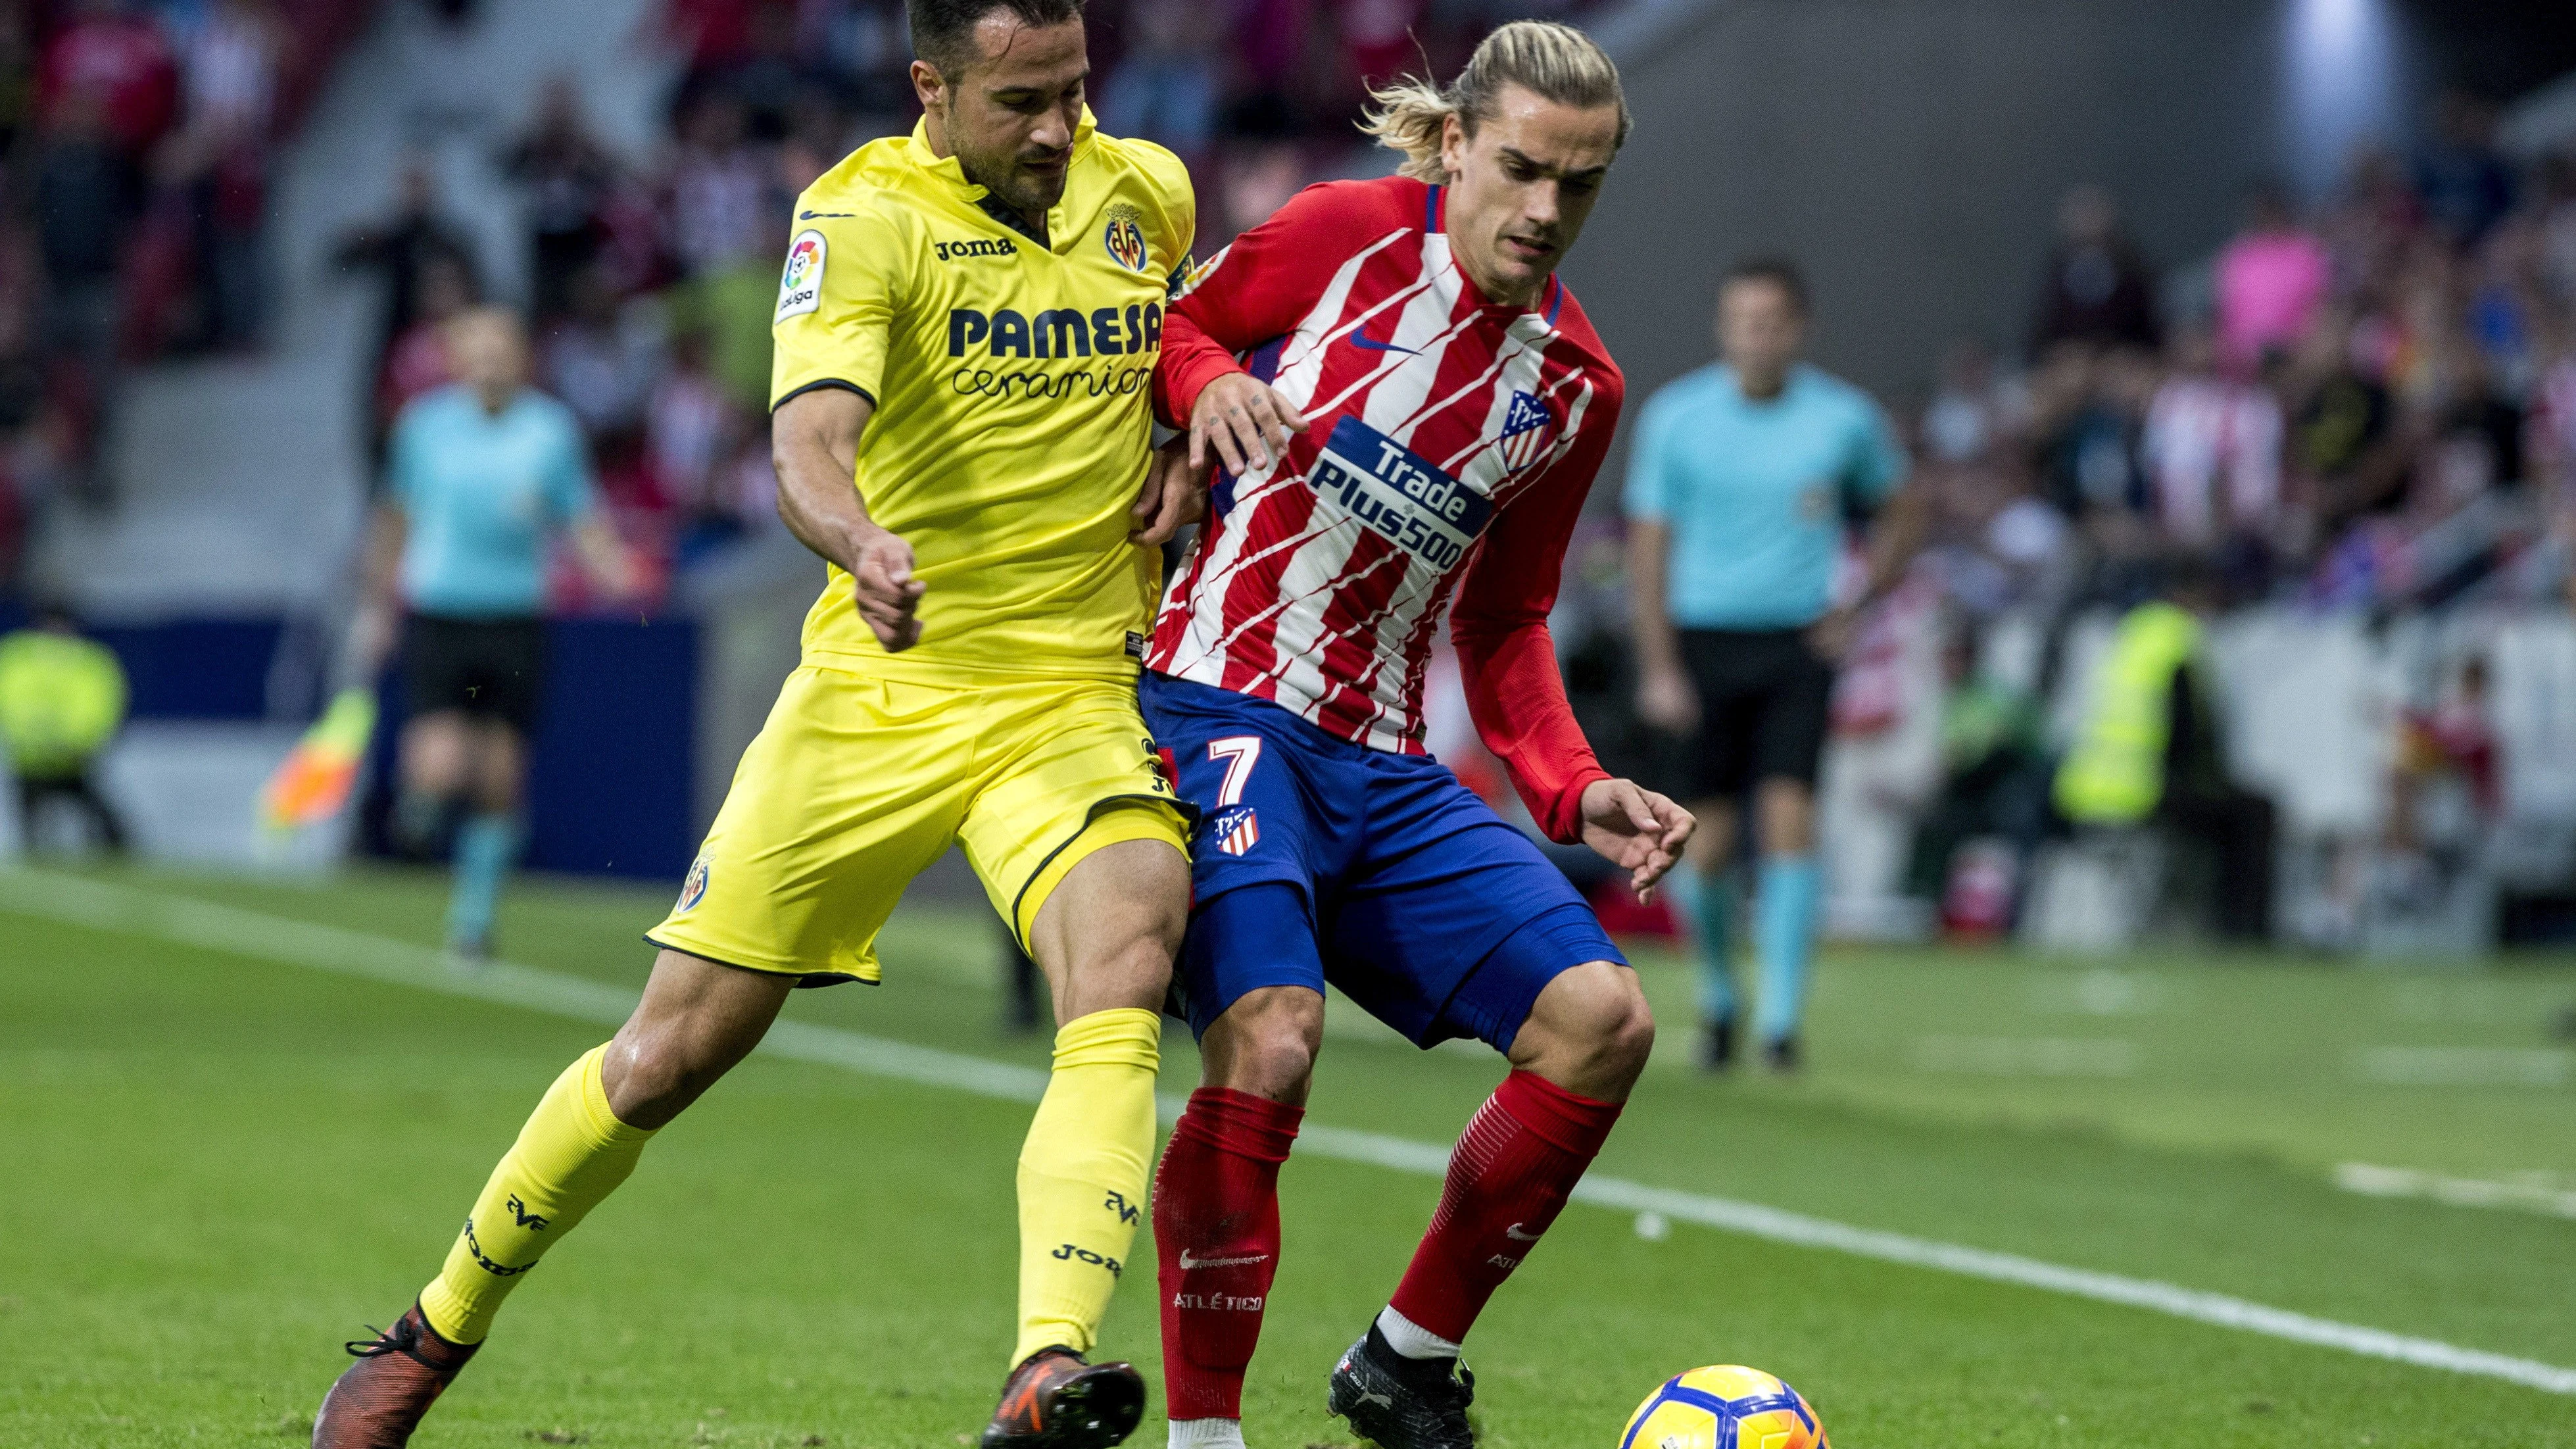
2368 403
650 286
2365 402
136 141
2362 407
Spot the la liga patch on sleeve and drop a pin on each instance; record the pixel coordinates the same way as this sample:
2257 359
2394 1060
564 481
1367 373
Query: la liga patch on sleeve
800 287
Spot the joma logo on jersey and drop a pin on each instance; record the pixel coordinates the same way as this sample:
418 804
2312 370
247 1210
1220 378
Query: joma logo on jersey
1393 490
1063 332
990 246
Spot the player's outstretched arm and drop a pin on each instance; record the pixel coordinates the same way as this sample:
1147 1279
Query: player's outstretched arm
1635 829
814 443
1515 692
1253 292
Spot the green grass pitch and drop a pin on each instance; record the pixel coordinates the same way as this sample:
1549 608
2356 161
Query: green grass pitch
215 1167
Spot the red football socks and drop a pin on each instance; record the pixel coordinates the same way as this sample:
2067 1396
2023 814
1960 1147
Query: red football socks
1216 1230
1520 1156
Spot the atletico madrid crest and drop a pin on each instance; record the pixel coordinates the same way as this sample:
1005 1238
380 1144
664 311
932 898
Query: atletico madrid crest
1528 427
1235 829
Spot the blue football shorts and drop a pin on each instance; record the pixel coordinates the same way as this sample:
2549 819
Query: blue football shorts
1321 860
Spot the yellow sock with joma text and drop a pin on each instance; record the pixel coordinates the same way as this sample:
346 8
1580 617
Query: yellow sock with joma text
1083 1173
569 1157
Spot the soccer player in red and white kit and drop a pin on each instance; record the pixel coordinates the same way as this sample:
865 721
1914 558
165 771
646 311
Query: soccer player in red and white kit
1409 408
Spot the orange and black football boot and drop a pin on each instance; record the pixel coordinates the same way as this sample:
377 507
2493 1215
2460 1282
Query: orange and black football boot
1057 1400
398 1374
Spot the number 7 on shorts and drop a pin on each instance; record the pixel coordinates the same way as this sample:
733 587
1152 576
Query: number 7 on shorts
1241 753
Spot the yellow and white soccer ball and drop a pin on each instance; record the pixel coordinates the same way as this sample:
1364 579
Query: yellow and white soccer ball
1725 1407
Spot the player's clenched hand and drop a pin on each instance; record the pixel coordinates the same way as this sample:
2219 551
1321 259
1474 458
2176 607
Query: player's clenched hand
1635 829
1174 496
1242 421
882 585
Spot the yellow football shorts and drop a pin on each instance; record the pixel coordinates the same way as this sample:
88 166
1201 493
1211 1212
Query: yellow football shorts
856 784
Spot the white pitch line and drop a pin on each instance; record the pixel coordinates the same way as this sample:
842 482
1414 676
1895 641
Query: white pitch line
2531 1192
2437 1066
229 929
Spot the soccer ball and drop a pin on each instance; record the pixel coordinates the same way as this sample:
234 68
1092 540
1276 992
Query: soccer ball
1726 1407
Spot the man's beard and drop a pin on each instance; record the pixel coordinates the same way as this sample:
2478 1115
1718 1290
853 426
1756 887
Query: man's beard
1028 195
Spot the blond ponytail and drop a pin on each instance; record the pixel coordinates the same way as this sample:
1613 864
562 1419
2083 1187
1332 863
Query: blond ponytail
1552 61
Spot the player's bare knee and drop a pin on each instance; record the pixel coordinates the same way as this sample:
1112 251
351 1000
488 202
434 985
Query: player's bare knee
1626 1036
1591 1032
697 1019
1133 970
1108 932
645 1079
1279 1066
652 1074
1265 1044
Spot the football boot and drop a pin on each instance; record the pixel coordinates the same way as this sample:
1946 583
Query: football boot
1056 1399
398 1374
1402 1403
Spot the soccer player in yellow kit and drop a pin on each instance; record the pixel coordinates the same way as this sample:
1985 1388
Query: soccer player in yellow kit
967 326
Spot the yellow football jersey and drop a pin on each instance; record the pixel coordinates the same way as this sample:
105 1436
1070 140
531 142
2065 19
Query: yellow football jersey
1011 380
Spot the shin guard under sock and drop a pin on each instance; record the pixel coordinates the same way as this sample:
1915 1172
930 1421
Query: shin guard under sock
1082 1175
572 1153
1216 1233
1520 1156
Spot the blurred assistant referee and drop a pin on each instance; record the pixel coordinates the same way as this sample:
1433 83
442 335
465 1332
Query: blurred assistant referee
1746 475
484 473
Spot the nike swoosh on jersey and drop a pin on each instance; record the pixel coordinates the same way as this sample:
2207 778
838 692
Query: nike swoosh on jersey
810 215
1189 1263
1361 339
1516 1235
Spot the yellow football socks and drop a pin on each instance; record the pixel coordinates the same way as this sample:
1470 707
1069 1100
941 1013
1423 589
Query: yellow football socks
1083 1173
572 1154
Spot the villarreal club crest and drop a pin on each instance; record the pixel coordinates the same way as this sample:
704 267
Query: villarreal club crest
1125 236
694 889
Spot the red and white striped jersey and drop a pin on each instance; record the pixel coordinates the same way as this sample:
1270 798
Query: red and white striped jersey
1450 444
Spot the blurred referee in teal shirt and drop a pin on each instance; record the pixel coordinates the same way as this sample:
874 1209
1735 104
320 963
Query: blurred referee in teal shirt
1747 474
484 474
